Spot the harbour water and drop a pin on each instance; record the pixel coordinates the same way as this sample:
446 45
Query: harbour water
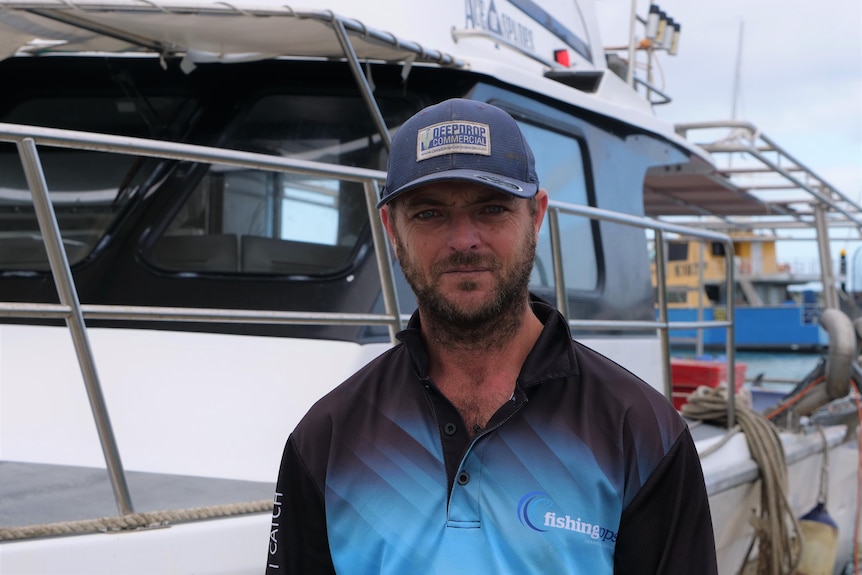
780 366
777 365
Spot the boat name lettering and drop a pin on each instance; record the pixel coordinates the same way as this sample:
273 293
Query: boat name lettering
485 16
689 269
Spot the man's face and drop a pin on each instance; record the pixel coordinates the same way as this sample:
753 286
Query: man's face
466 250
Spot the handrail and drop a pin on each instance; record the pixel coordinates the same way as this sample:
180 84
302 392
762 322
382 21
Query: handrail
187 152
664 326
26 139
74 319
665 99
70 309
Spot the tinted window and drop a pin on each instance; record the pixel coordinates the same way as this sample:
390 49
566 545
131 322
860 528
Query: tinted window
677 251
560 167
254 221
88 189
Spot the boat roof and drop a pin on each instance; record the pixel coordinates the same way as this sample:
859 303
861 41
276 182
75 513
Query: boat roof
203 31
701 192
786 193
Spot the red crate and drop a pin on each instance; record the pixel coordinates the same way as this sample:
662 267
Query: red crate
689 374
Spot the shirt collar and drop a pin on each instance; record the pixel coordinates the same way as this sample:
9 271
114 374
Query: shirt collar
552 356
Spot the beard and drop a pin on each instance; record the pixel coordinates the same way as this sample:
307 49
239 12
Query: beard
493 321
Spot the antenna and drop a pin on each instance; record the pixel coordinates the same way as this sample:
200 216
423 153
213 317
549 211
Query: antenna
737 71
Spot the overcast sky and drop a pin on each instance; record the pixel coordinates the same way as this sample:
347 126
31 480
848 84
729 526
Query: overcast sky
800 77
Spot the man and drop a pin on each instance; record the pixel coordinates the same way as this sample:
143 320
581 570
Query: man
487 441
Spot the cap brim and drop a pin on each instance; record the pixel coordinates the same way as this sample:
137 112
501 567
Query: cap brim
508 185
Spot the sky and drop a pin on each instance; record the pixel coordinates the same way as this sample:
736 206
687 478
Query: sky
800 79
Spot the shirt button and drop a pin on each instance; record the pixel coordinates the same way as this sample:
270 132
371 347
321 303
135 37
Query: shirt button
450 429
463 478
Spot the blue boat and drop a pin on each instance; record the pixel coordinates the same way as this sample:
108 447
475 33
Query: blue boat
775 308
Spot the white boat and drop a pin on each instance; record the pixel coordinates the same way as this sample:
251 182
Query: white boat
197 181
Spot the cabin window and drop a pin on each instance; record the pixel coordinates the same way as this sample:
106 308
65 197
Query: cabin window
253 221
713 292
675 295
717 249
560 165
88 189
240 220
677 251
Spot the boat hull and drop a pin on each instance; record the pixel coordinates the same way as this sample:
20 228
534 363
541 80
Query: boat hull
734 488
236 545
772 328
233 546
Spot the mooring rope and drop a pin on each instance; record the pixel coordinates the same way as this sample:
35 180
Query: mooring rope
776 529
133 521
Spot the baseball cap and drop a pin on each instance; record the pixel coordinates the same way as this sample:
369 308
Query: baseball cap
463 140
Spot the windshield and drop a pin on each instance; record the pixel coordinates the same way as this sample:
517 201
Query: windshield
88 189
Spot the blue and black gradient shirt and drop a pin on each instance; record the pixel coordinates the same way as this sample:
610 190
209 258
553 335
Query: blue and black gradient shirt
587 469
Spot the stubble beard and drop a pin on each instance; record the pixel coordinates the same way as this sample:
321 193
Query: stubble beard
490 324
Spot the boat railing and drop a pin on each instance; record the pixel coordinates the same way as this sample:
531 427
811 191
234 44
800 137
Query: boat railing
797 197
663 325
27 139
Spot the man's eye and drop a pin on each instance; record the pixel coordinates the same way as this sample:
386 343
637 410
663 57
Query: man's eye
425 214
495 209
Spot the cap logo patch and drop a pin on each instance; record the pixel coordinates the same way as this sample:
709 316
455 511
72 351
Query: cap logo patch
453 137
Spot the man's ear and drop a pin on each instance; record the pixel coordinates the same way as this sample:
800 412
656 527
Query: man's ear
541 208
388 223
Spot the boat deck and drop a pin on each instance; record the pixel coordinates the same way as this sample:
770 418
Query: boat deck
37 493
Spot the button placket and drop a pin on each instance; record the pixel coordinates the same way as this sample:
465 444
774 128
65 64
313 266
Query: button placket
464 502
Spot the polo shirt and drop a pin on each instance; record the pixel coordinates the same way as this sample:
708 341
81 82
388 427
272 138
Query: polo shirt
586 469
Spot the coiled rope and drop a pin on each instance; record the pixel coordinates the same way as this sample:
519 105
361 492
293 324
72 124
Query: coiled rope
776 529
134 521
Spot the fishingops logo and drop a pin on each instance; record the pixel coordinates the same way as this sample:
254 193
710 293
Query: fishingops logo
537 511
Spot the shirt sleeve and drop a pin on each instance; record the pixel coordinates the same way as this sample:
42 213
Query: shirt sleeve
667 528
298 542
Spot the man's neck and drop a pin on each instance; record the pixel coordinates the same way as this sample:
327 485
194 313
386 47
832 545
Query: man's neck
508 340
479 376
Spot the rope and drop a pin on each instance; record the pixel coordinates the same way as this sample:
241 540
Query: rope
133 521
776 529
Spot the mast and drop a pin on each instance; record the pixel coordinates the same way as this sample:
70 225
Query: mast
737 71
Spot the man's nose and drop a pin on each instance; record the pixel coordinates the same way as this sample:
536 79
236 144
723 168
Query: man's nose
463 233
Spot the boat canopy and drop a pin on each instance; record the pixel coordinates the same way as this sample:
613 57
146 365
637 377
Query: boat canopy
754 176
203 32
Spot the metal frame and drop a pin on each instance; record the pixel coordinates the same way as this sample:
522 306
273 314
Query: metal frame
663 325
823 206
69 13
70 309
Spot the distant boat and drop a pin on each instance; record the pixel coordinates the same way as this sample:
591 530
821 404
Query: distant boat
775 307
